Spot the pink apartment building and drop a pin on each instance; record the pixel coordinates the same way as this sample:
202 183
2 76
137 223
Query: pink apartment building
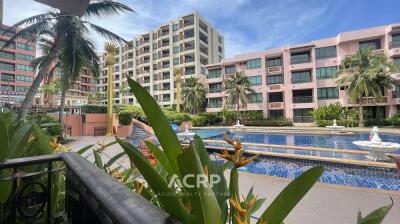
293 80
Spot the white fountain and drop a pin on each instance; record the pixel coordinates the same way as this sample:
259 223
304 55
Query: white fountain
238 125
335 127
186 136
377 149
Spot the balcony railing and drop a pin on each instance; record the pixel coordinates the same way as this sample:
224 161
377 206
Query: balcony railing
189 48
214 105
188 23
189 35
91 195
303 119
302 99
394 44
369 100
297 81
215 90
300 60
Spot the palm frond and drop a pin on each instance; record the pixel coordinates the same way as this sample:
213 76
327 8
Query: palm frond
106 33
108 7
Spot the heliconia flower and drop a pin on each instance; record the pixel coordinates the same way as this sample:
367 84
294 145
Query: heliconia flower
139 187
243 162
236 205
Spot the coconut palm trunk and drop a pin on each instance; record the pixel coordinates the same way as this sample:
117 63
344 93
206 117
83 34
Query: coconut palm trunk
61 111
44 69
237 107
361 116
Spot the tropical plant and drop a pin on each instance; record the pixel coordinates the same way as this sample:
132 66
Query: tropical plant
63 26
344 116
51 88
124 91
237 87
178 79
366 74
193 95
95 98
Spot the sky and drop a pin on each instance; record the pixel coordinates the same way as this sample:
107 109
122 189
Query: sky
247 25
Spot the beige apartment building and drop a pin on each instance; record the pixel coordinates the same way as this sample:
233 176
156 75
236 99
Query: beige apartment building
189 42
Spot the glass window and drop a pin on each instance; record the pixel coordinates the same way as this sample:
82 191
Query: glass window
25 46
155 87
302 112
2 43
7 55
254 63
7 88
155 77
215 88
301 57
255 98
328 93
325 52
176 50
154 56
274 79
395 40
301 77
21 88
396 60
374 44
271 62
175 38
175 27
214 73
165 75
214 102
154 35
230 69
176 61
24 78
275 97
155 67
7 66
255 80
275 114
202 70
326 72
154 46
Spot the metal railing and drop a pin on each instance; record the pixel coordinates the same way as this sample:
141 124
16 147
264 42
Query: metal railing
91 195
302 99
369 100
394 44
303 119
300 60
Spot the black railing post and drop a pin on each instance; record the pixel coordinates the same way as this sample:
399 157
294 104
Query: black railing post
14 196
49 174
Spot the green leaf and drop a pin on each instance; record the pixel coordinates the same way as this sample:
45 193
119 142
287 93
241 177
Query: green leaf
167 196
204 204
97 159
233 190
202 152
20 140
159 122
376 216
290 196
161 157
114 159
84 149
5 186
3 140
220 189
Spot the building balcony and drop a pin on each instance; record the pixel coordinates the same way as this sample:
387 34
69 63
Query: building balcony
394 44
275 87
276 105
369 101
303 119
91 195
302 99
188 23
294 61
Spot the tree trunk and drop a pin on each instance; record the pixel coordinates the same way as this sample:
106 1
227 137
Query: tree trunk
61 111
44 69
361 116
237 108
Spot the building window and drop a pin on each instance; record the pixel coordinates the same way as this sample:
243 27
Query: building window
155 87
215 73
219 49
396 61
24 78
274 79
215 88
154 56
175 27
255 80
326 72
176 50
254 63
166 75
300 57
7 88
2 43
7 55
155 77
154 45
255 98
26 47
275 97
373 44
175 38
395 40
230 69
214 102
176 61
275 114
301 77
325 52
21 88
155 67
302 115
203 71
328 93
220 39
274 62
25 68
154 36
7 66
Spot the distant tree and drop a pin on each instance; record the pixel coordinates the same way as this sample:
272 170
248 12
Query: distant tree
124 90
193 95
366 74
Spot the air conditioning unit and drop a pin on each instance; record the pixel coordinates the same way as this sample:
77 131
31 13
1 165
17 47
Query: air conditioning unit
73 7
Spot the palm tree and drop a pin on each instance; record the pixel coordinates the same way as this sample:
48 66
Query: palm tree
124 89
366 74
63 26
237 87
95 98
178 78
193 95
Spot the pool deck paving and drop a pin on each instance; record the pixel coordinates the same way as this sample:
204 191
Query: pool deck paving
324 204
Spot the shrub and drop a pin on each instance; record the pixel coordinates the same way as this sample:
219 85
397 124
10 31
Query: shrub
212 118
94 109
43 119
279 122
228 116
199 121
125 117
344 116
177 118
394 120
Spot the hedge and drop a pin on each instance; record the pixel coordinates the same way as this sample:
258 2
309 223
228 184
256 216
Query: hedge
93 109
125 117
279 122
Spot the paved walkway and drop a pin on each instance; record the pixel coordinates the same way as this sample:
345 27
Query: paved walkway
324 204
